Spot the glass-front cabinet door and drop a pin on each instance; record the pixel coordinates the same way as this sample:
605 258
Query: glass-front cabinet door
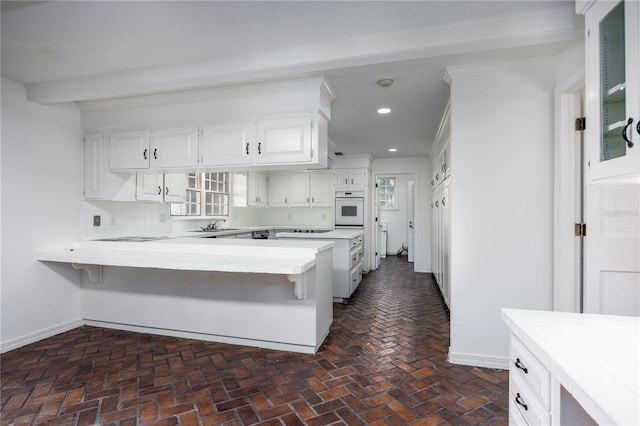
613 89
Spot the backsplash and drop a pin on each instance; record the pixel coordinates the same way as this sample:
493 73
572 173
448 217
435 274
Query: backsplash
123 218
139 218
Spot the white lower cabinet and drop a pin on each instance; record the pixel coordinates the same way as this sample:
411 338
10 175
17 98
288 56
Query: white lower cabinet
167 187
257 189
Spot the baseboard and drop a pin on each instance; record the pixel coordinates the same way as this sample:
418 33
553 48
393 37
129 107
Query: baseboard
478 360
39 335
279 346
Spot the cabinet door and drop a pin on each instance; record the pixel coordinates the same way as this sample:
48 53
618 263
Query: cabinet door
228 144
299 190
149 187
320 190
175 187
257 189
129 150
278 191
286 140
176 147
358 179
341 179
92 166
613 92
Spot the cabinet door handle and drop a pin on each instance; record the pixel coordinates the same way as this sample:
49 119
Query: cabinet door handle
432 182
624 133
159 190
520 401
247 148
166 190
444 201
346 181
313 199
437 204
521 366
444 168
437 176
259 147
155 154
144 154
638 127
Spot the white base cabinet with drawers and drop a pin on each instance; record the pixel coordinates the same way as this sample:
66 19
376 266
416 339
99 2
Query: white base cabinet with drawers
573 369
347 258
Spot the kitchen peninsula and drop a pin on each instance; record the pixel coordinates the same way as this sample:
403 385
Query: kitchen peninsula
265 293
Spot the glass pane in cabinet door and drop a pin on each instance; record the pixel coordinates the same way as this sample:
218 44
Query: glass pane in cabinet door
613 84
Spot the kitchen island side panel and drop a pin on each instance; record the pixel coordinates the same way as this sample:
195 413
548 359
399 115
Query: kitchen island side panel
249 308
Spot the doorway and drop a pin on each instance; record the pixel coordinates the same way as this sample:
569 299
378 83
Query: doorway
395 213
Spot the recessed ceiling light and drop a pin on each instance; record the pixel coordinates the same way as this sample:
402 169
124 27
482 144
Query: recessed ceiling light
393 149
384 110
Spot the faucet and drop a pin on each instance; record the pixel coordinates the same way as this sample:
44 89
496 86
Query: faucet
213 225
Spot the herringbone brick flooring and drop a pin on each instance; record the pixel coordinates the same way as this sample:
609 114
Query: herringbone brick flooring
384 363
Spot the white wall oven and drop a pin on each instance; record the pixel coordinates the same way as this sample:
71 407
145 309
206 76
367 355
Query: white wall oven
349 209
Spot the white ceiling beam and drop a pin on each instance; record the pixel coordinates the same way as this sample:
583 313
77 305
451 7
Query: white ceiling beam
540 27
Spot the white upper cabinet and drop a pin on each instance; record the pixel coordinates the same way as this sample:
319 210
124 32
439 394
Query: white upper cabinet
350 179
299 190
129 150
227 144
613 89
174 147
321 189
283 140
167 187
257 191
279 191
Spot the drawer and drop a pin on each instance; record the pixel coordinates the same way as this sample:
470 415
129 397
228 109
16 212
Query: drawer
524 364
523 399
355 242
355 277
355 257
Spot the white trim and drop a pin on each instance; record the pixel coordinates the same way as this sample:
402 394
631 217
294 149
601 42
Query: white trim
476 360
40 335
279 346
566 95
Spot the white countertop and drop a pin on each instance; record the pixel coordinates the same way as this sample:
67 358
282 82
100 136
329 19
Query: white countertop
596 358
200 254
330 235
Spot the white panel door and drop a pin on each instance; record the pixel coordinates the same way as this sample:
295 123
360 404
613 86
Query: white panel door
257 189
278 191
284 140
299 190
321 194
228 144
129 150
150 187
175 187
175 147
92 166
612 252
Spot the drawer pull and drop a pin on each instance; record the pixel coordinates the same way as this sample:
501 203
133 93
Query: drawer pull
521 366
520 401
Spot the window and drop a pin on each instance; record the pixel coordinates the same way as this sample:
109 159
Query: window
387 192
208 189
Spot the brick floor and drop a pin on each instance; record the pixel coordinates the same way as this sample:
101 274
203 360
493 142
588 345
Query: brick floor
384 363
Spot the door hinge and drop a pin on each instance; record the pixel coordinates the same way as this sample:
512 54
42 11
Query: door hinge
580 229
581 123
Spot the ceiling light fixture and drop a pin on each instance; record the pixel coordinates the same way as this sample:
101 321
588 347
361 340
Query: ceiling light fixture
384 110
393 149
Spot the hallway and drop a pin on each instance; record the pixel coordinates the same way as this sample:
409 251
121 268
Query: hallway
384 363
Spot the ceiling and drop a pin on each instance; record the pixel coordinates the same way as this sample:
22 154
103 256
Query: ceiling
83 50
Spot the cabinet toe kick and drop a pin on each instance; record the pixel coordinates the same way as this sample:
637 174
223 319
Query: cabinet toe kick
300 285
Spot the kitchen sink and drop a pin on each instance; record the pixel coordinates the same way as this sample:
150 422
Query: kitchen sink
217 230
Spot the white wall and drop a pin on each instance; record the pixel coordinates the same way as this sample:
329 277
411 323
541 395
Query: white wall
501 200
420 168
41 189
